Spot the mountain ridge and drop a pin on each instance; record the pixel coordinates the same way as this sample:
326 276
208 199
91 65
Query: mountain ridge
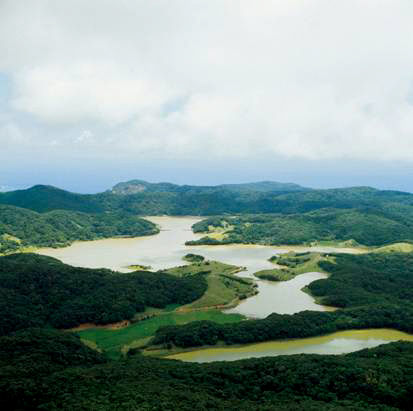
137 186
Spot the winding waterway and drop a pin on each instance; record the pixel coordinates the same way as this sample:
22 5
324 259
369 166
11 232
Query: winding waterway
167 248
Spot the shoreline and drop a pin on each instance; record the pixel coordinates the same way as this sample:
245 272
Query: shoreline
170 354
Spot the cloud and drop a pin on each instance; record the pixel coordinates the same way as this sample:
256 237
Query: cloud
320 79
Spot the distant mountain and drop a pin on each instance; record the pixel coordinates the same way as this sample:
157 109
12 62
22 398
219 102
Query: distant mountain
143 198
139 186
43 198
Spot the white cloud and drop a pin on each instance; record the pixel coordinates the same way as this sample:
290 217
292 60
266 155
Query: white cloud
319 79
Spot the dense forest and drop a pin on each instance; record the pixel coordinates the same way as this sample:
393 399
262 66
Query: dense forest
45 369
376 290
37 291
253 198
20 227
366 279
367 226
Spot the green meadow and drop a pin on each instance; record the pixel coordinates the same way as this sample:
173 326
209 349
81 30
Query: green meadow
116 341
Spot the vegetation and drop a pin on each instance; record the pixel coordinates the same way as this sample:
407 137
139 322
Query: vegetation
40 291
384 278
375 290
224 288
139 267
268 213
43 369
20 228
115 341
193 258
291 265
256 198
47 369
367 227
282 326
139 186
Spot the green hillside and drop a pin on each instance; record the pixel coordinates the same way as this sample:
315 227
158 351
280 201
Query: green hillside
144 198
38 291
21 227
366 226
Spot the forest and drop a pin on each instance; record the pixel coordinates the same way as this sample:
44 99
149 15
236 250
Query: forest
368 226
45 369
21 227
40 291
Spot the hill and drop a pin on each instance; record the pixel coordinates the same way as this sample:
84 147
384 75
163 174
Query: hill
39 291
369 226
139 186
20 227
144 198
263 214
43 198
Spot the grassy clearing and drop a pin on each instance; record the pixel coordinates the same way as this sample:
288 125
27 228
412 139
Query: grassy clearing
114 342
219 233
395 248
224 288
292 264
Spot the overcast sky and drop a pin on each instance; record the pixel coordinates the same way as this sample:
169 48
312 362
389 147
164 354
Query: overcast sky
317 92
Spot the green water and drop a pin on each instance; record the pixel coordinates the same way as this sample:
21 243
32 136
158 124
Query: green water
337 343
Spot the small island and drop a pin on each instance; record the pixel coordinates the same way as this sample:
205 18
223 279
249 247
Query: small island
193 258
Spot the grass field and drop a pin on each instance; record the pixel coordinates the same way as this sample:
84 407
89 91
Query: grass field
395 248
114 342
224 288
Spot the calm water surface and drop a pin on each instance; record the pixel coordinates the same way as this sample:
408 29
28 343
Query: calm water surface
336 343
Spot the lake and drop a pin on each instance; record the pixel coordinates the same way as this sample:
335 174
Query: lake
337 343
167 248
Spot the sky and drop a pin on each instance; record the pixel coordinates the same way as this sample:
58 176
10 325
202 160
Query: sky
316 92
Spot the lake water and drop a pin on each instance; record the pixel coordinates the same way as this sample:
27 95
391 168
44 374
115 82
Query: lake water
336 343
167 248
